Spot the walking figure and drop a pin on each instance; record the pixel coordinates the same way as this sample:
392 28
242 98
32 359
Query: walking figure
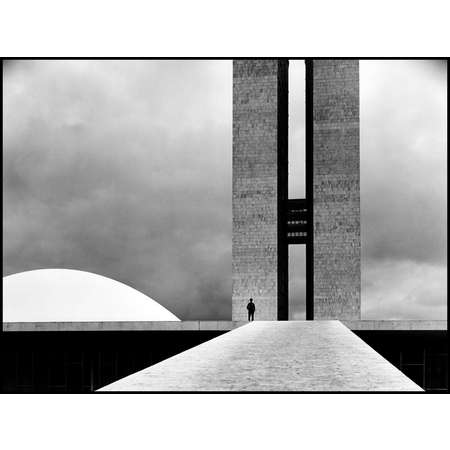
251 310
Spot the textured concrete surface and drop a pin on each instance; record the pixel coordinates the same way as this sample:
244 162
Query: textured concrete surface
191 325
336 191
396 325
274 356
382 325
260 171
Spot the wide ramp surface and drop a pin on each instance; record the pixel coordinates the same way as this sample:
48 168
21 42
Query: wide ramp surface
274 356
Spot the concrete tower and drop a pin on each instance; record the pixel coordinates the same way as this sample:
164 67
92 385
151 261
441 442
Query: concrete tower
265 221
260 171
336 189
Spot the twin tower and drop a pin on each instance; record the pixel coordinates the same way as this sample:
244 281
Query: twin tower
265 220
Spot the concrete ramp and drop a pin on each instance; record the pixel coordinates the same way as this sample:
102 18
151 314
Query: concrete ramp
274 356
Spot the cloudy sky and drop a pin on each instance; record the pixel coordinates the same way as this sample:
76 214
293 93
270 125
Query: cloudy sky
123 168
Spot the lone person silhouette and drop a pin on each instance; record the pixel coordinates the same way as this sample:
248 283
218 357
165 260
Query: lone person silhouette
251 310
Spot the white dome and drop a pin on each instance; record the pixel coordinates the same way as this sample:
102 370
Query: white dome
62 295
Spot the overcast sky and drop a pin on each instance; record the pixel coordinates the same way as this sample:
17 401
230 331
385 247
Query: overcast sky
123 168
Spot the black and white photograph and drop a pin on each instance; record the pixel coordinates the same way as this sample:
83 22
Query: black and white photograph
224 225
233 246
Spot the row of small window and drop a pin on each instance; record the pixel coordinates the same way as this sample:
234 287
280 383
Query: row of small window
297 222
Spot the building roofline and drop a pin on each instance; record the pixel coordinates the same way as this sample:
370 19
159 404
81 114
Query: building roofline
203 325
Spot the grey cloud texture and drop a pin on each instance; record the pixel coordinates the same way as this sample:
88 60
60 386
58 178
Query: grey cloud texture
123 168
403 162
403 189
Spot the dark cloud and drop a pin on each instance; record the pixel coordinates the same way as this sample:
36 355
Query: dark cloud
403 189
124 169
120 170
404 290
403 162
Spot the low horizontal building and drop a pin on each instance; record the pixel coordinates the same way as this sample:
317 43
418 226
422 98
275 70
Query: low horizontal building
86 356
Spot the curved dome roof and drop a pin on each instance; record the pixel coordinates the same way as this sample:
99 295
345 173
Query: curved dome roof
63 295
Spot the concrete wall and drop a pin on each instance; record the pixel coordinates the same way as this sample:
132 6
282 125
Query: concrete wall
200 325
189 325
83 356
260 125
336 190
396 325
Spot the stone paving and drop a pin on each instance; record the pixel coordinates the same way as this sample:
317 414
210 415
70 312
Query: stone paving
274 356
